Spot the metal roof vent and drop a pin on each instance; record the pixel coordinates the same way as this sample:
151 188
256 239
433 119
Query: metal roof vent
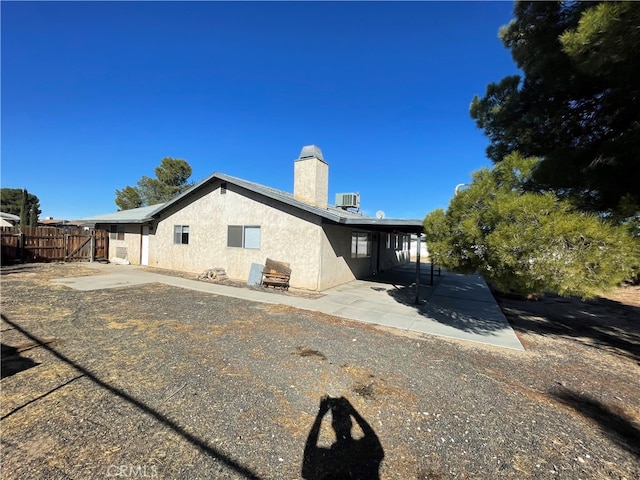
311 151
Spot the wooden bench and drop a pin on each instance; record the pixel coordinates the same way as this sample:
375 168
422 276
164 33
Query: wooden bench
276 274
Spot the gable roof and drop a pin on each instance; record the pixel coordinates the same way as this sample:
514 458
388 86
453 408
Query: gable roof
331 214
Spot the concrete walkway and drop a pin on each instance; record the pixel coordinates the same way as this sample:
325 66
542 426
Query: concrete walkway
456 306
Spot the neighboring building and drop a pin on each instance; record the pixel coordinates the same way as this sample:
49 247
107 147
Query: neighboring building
226 222
52 222
413 250
9 219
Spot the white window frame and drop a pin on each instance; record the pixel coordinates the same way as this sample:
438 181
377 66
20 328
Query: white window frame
179 232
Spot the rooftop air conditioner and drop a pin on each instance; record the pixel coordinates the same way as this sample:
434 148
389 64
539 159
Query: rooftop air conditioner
348 200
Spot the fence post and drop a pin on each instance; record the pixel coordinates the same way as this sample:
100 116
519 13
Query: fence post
93 245
21 247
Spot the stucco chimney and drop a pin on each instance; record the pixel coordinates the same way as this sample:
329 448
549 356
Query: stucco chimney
311 177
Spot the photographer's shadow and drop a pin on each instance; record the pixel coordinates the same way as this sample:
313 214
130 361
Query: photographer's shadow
347 458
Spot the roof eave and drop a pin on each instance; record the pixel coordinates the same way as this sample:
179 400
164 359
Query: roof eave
402 225
114 222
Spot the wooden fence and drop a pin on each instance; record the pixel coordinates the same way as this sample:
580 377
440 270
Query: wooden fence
50 244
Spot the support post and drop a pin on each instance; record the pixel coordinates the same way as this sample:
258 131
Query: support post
431 279
418 241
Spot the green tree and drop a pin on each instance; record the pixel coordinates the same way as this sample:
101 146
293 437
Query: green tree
24 209
529 242
577 104
128 198
18 201
171 180
33 216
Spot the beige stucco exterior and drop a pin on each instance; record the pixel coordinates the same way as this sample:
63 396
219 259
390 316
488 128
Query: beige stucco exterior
319 253
311 181
131 241
300 229
285 235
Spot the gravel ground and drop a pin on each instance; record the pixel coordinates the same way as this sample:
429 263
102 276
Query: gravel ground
160 382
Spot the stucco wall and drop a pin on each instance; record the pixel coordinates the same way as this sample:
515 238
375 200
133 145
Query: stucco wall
132 234
319 254
311 181
337 265
292 237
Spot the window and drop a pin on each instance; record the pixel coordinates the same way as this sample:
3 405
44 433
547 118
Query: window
388 240
243 236
360 244
223 188
181 234
116 232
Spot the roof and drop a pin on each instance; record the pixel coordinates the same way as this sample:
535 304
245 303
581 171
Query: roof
134 215
331 214
53 222
10 216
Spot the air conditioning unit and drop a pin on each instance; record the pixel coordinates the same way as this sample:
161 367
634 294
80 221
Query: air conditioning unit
348 200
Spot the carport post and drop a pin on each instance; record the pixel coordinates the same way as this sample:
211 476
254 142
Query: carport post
418 268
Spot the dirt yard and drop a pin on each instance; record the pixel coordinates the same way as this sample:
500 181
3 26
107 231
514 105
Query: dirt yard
160 382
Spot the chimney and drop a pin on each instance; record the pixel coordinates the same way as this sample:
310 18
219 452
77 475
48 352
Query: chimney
311 177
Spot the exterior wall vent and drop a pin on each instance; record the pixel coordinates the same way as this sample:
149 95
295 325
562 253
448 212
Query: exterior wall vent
348 200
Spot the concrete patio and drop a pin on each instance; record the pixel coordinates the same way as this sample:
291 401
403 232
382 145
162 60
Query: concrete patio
455 306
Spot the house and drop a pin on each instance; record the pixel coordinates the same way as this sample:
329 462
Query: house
231 223
52 222
8 219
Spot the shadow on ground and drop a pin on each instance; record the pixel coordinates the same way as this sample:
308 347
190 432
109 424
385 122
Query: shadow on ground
403 281
231 464
615 425
8 269
477 314
13 362
347 457
602 323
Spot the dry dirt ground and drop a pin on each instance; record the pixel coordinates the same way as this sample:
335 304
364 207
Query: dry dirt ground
160 382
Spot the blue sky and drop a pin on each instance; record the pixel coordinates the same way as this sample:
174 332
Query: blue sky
95 94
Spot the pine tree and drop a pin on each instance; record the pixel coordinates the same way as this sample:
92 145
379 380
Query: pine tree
171 180
24 209
529 242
